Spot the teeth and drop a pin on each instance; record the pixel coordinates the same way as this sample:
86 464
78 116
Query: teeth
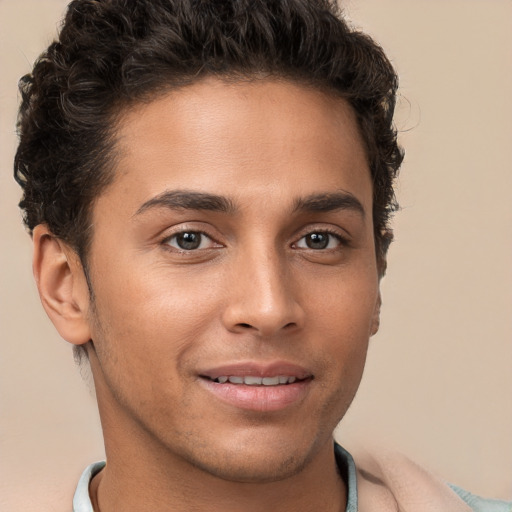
252 380
270 381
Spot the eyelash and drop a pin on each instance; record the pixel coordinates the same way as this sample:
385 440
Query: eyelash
166 241
343 241
323 231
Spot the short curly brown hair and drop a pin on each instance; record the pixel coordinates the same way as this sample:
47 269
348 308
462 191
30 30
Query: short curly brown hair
111 53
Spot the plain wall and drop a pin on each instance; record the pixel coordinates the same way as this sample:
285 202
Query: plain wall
438 380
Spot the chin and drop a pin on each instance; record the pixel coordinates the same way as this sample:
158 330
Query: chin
244 468
262 459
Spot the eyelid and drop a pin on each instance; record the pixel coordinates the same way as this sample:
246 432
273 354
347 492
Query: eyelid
186 229
337 240
338 233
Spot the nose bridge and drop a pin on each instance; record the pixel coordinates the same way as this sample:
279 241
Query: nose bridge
263 293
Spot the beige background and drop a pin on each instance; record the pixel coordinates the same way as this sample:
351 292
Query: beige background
438 381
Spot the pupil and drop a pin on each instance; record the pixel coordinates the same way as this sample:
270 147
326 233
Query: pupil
188 241
317 240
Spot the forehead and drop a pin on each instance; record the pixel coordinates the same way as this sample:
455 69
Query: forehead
252 137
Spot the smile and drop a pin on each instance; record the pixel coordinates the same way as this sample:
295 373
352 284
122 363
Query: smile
258 387
253 380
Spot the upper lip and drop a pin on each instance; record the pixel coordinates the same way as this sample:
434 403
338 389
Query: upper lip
258 369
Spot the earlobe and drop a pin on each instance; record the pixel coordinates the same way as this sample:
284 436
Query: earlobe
62 286
376 316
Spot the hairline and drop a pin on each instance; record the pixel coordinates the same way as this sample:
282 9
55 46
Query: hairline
121 109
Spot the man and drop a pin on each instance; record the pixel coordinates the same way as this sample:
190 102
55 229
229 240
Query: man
209 186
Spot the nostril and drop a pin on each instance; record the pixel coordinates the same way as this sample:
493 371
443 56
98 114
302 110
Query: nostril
288 326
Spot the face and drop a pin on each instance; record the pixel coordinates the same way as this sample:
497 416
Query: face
234 276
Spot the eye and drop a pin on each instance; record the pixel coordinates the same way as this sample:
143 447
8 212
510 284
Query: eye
190 241
319 240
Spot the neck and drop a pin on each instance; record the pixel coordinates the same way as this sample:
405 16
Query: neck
136 483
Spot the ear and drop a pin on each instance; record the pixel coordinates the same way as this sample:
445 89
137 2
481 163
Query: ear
376 315
62 285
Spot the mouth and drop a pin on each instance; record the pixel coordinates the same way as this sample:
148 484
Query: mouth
258 387
253 380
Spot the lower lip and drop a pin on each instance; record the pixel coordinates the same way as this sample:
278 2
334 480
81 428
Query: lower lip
258 398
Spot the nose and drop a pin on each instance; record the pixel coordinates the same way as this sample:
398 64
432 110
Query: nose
262 296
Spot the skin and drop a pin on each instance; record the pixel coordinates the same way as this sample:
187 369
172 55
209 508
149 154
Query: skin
253 291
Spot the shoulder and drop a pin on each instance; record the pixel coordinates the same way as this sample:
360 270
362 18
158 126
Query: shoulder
389 481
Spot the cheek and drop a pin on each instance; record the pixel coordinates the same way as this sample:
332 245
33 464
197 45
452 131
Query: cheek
341 315
345 353
344 304
150 320
148 294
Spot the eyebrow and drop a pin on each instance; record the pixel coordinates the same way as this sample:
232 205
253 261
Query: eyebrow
188 200
329 202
